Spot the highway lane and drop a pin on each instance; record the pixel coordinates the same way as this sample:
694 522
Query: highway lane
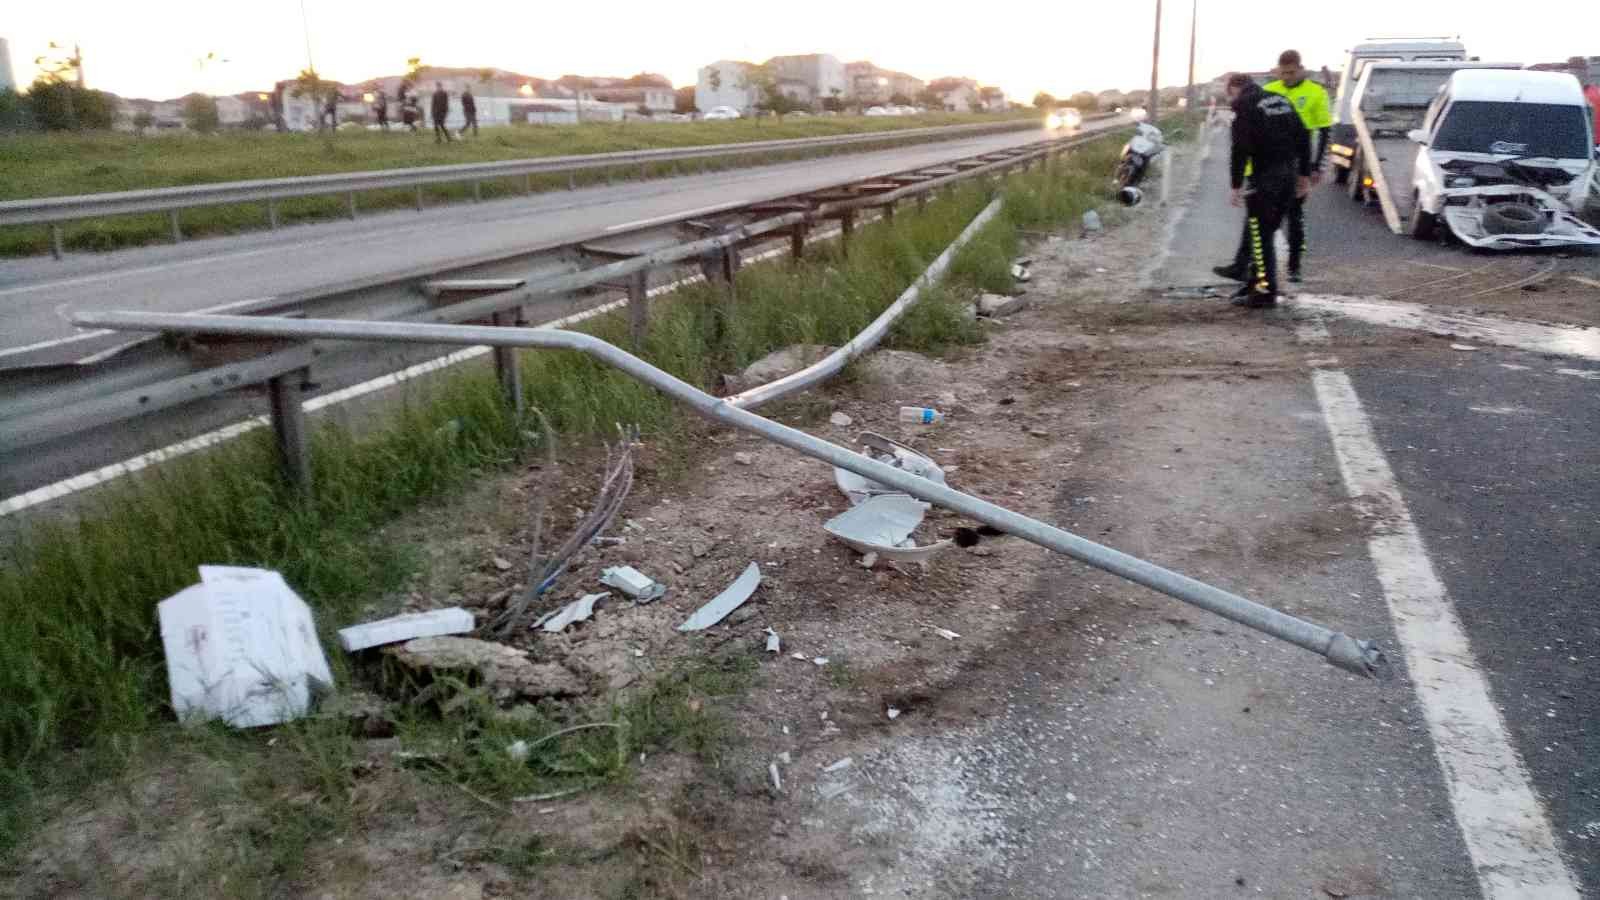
36 294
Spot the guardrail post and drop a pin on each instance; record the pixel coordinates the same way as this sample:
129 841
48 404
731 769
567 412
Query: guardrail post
638 308
847 230
350 203
888 211
922 201
55 241
527 182
177 230
506 367
419 198
572 181
272 214
797 241
477 192
289 428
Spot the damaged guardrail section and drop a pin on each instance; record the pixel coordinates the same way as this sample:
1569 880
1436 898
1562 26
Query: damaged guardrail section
1350 654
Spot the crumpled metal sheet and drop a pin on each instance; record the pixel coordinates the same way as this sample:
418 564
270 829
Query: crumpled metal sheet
883 525
858 489
578 610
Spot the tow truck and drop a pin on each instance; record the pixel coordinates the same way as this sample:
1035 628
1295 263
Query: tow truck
1342 148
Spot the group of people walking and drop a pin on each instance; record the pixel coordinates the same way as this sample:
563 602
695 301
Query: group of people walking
439 106
1273 166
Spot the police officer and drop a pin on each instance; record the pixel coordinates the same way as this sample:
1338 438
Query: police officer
1310 100
1269 137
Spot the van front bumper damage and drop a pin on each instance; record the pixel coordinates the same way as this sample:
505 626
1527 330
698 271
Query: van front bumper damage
1464 208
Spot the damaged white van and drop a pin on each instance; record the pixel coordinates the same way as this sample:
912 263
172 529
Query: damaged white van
1506 157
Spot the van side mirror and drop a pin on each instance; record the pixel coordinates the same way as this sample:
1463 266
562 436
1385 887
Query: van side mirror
1417 135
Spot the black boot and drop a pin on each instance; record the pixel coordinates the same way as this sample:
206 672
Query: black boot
1255 299
1232 273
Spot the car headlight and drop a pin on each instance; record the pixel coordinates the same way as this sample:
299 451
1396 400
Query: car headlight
1053 122
1462 181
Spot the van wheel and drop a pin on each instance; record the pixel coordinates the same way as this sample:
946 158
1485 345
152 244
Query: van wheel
1353 180
1424 225
1341 175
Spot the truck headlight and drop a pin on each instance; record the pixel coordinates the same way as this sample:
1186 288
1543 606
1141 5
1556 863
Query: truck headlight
1053 122
1462 181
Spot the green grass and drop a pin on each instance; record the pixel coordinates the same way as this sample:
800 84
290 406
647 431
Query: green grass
81 673
47 165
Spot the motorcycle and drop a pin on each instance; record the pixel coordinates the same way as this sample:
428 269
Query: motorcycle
1147 144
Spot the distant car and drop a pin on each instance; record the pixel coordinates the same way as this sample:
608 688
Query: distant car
1138 114
878 111
721 112
800 113
1065 118
904 110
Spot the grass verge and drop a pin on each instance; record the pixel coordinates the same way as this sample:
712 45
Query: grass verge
48 165
81 685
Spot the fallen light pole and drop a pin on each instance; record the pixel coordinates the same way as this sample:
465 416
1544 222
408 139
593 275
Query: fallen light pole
1360 657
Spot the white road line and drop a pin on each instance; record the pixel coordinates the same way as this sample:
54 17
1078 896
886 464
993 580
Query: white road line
1585 281
1506 830
1563 340
657 220
1429 265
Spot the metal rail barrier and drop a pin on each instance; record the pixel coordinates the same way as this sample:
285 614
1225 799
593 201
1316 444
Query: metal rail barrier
62 402
1360 657
54 211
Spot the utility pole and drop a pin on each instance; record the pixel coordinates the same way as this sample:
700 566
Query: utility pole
1194 26
1152 106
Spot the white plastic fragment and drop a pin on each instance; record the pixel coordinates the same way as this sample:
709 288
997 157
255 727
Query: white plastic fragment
1091 221
726 602
858 489
395 629
821 660
784 756
1465 348
868 561
1021 273
839 766
773 644
800 656
641 587
946 633
882 525
777 778
241 646
518 750
893 714
578 610
842 420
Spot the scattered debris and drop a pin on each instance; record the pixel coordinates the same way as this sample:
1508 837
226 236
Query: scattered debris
995 306
1465 348
841 420
1092 223
800 656
744 459
835 789
777 778
395 629
921 415
893 714
946 633
578 610
241 646
883 525
506 672
641 587
544 571
821 661
773 644
502 563
858 489
868 561
726 602
784 756
1020 273
839 766
518 750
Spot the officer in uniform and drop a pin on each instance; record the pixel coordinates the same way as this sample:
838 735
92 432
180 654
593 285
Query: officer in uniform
1310 100
1270 139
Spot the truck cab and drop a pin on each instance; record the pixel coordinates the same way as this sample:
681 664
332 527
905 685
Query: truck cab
1342 147
1504 158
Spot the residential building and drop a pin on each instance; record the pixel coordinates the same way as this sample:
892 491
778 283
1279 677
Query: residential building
992 99
654 99
725 83
956 94
808 78
870 85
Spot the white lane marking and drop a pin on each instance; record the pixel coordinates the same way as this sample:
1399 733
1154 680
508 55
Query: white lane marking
1428 265
104 474
1505 827
141 270
1563 340
1589 374
65 310
1502 410
657 220
83 336
1585 281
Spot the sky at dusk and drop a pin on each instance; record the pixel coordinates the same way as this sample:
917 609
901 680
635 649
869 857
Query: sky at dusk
151 49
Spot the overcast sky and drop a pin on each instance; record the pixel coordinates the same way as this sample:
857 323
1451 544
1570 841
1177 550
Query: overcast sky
151 49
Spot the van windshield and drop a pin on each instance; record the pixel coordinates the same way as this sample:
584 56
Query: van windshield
1515 129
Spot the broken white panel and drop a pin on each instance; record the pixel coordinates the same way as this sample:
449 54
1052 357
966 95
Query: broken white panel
578 610
395 629
774 645
241 646
859 489
634 583
883 525
726 602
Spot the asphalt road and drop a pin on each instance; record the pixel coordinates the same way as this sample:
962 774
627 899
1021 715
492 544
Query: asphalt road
37 294
1163 755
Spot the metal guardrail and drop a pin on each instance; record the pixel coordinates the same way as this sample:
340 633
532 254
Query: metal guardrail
1360 657
54 211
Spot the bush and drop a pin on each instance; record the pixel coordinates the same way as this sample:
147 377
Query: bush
59 106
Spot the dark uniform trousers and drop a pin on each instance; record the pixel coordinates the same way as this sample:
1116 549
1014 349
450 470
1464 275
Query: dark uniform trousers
1271 200
1297 238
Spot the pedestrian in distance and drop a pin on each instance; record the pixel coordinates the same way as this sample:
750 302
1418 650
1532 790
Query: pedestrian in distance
380 109
441 109
330 111
469 111
1268 138
410 110
1310 100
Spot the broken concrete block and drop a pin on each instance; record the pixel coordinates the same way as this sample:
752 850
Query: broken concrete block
395 629
241 646
506 672
994 306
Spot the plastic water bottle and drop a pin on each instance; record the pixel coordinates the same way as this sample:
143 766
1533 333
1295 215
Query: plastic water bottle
920 415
